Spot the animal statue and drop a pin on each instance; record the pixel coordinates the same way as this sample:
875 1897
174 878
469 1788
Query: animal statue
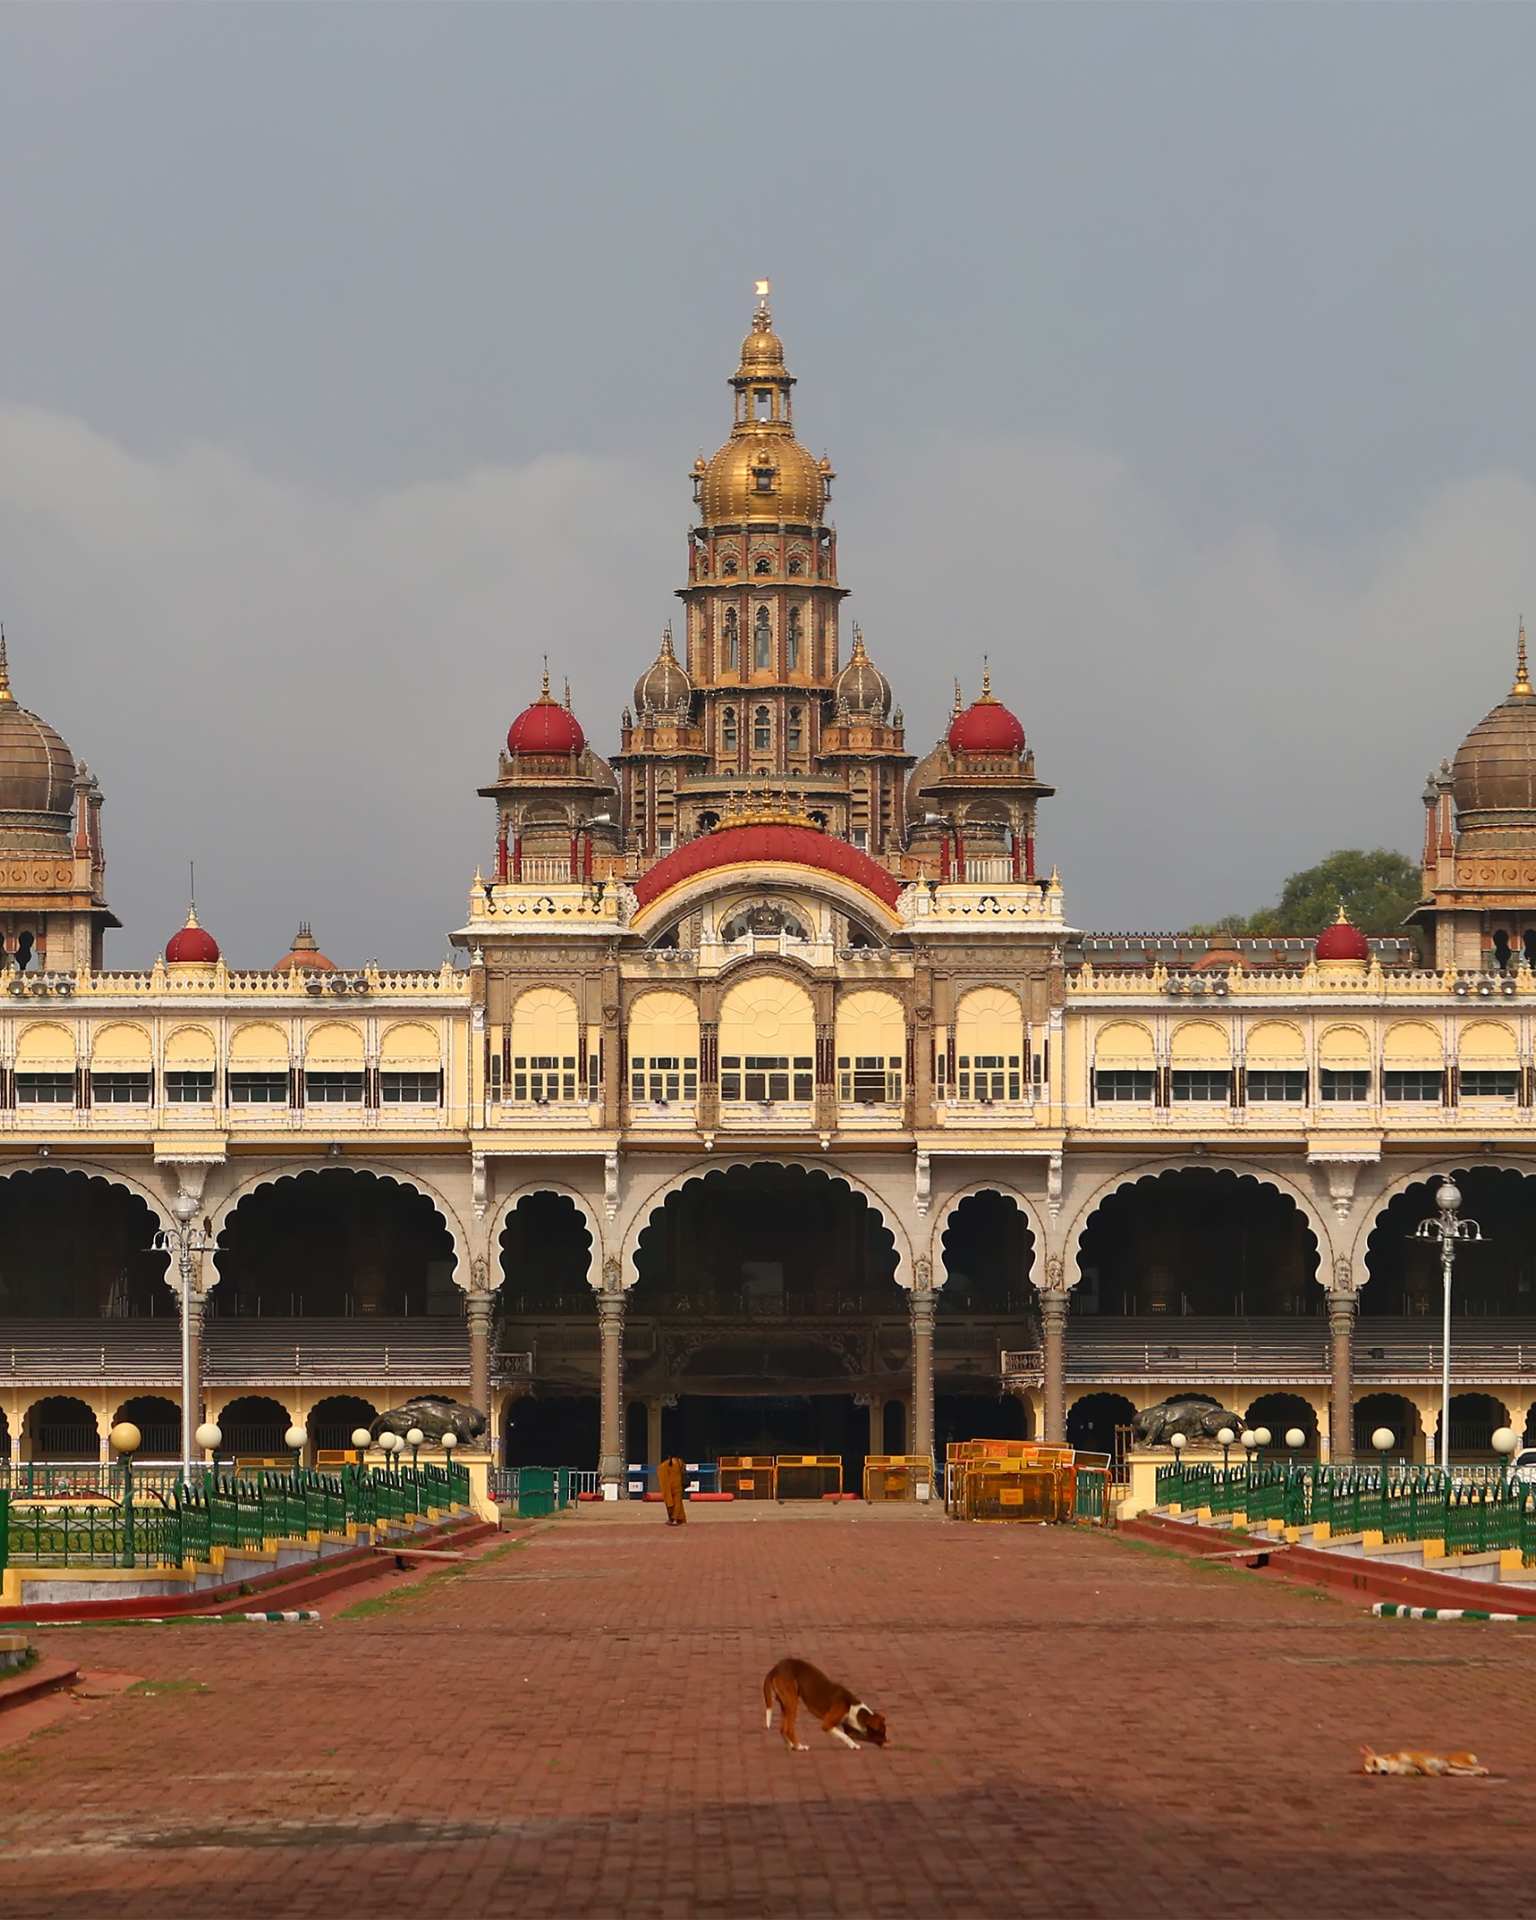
1196 1415
435 1417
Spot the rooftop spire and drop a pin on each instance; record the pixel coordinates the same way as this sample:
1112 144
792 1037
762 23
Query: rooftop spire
762 319
544 689
1522 676
959 707
987 695
7 698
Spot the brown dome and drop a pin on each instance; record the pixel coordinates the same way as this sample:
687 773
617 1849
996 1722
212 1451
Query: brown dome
37 775
1493 777
304 956
861 687
931 767
665 685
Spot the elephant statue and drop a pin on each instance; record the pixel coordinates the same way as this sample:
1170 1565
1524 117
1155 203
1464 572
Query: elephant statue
434 1417
1196 1415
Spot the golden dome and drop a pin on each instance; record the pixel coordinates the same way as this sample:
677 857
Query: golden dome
1493 777
665 686
861 687
762 474
37 777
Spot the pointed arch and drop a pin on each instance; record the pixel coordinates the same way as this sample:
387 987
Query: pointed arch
395 1176
584 1205
951 1204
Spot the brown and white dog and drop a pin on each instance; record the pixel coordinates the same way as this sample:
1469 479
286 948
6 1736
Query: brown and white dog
794 1683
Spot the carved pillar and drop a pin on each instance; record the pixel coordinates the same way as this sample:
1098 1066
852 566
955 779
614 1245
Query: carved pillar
1053 1325
876 1408
479 1311
653 1408
923 1305
610 1330
1343 1304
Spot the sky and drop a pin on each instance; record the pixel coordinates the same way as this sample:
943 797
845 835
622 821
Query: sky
353 358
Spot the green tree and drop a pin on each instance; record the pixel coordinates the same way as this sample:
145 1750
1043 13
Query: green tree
1378 887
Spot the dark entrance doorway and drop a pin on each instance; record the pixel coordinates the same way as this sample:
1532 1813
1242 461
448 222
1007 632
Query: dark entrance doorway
767 1308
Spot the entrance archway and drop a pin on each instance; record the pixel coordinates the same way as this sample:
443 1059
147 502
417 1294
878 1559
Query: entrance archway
159 1423
766 1303
1198 1241
546 1307
1401 1419
1495 1276
335 1243
60 1427
74 1246
333 1421
253 1428
1281 1413
1093 1421
1475 1417
986 1305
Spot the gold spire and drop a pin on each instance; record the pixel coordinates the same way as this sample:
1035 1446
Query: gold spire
959 707
7 698
1522 676
858 642
1343 919
666 642
986 697
544 690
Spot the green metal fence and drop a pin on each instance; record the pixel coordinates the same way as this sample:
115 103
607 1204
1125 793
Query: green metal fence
1470 1512
221 1510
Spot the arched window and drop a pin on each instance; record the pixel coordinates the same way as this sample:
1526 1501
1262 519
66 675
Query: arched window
762 640
792 640
796 565
732 638
728 730
763 563
796 730
762 731
728 564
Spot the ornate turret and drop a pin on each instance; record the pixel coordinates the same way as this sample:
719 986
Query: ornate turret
53 910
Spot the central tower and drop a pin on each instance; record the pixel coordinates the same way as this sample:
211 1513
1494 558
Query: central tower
757 699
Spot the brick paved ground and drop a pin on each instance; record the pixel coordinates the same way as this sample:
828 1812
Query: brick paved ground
572 1727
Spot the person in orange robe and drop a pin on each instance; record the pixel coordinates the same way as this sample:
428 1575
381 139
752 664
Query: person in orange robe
669 1484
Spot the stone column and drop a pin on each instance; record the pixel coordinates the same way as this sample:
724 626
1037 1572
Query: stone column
1053 1324
920 1436
876 1423
610 1329
479 1311
1343 1304
653 1408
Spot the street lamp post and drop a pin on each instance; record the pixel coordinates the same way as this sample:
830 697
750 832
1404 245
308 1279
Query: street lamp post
1179 1442
1383 1440
125 1441
1451 1231
297 1438
184 1241
362 1439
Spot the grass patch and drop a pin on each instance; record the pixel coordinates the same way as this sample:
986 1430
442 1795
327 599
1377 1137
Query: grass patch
152 1689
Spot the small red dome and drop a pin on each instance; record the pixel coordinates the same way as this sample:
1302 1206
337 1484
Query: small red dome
546 727
986 726
193 946
1343 940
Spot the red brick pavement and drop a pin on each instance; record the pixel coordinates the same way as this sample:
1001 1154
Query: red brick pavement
573 1726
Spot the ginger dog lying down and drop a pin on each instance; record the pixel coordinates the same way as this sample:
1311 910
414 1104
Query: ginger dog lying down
794 1683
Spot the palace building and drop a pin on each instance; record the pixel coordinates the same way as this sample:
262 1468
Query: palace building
772 1103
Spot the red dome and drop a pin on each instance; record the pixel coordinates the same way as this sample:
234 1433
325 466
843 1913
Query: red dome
193 946
772 843
545 727
1343 941
986 726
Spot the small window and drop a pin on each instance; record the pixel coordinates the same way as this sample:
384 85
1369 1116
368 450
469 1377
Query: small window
664 840
664 1079
765 1078
987 1076
796 565
762 641
45 1089
792 640
762 404
732 640
762 730
121 1089
1489 1086
869 1080
762 478
1124 1084
193 1089
762 564
1410 1087
333 1089
543 1077
1200 1083
258 1089
410 1089
728 730
1289 1089
728 565
1344 1084
796 729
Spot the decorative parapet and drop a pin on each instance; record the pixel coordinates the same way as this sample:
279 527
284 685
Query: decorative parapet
1305 983
224 983
1022 905
581 907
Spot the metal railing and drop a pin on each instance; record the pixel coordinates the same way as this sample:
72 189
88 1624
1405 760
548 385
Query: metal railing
1472 1509
221 1510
